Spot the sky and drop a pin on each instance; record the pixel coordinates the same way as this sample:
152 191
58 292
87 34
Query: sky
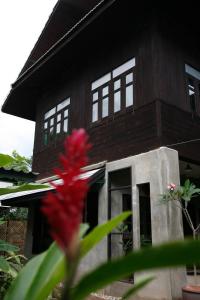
21 22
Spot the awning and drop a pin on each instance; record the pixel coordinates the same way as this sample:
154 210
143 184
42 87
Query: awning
27 198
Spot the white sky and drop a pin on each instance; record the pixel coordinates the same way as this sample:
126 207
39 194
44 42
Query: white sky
21 22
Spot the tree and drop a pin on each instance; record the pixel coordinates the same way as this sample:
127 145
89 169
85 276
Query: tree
180 197
18 163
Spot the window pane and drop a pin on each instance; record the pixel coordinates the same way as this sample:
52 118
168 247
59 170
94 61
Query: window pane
63 104
117 101
129 95
58 128
51 131
195 73
95 112
50 113
129 78
105 107
45 125
95 96
117 84
59 118
65 126
52 122
45 138
123 68
101 81
66 113
105 91
51 134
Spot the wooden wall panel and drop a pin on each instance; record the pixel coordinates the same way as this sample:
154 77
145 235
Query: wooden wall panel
179 126
128 134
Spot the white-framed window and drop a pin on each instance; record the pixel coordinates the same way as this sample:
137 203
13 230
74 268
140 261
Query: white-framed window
113 92
56 121
193 88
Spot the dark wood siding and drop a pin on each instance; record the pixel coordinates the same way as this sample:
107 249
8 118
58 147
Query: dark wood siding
127 134
161 113
179 126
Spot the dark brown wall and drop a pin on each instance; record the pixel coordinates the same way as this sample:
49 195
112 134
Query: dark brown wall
183 129
159 74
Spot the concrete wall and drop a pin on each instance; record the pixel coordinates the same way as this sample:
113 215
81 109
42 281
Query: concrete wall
158 168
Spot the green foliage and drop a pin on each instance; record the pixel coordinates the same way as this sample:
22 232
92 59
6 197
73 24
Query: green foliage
98 233
16 213
168 255
5 160
2 221
22 188
181 196
183 193
6 247
19 163
4 265
10 266
188 191
39 277
41 274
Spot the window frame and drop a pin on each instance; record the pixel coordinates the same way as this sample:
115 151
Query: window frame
51 122
190 73
111 94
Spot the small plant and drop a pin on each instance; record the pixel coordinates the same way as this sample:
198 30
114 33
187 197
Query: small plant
10 264
127 241
181 197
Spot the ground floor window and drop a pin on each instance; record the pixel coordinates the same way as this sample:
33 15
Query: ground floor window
41 236
90 214
120 241
145 215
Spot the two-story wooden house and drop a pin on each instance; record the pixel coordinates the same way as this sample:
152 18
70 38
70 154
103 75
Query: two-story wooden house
129 73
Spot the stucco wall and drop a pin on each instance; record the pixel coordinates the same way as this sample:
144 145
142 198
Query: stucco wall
158 168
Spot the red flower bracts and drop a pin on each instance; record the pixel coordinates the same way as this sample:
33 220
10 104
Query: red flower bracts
63 209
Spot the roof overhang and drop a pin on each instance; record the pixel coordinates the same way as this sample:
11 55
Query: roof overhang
108 18
29 198
25 91
13 176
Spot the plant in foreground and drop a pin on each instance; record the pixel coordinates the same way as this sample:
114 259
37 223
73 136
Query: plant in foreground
10 264
63 210
181 197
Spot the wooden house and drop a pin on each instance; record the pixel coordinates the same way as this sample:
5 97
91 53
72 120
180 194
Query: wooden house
129 73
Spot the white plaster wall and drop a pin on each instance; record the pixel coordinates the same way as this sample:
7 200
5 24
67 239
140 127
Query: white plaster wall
158 167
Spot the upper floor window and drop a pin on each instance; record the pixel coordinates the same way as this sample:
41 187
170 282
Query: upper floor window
113 92
193 87
56 121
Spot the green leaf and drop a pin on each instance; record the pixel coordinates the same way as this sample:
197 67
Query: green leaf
39 276
5 160
168 255
44 272
2 221
6 247
4 265
99 232
83 229
137 286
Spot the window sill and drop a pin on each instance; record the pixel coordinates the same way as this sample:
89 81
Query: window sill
112 117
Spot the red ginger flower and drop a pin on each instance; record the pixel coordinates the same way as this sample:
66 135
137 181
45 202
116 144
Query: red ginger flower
63 209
